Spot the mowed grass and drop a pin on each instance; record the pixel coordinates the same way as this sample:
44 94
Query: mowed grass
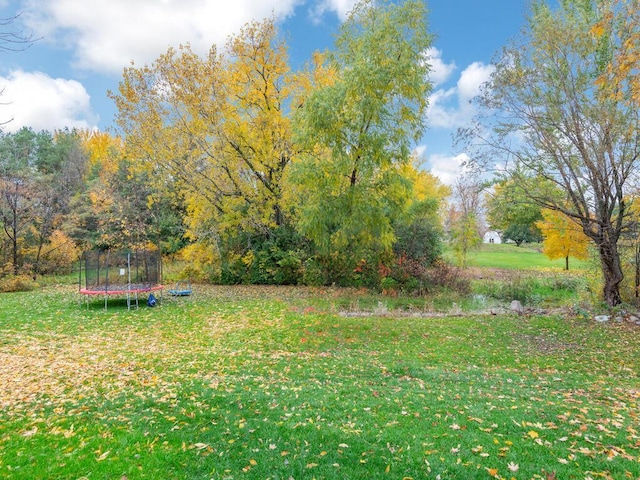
259 383
509 256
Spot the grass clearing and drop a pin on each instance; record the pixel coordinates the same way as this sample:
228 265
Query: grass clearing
509 256
264 382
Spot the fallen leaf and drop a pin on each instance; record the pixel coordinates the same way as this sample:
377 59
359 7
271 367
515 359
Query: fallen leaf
103 456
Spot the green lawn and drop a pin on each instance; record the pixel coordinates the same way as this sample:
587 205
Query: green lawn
508 255
258 383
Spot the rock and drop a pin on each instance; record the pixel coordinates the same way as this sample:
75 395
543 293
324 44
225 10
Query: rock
632 318
516 307
602 318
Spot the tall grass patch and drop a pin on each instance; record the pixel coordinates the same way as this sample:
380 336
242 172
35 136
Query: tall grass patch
552 289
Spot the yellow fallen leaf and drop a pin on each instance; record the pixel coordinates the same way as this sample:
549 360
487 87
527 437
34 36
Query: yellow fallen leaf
253 462
30 433
533 434
103 456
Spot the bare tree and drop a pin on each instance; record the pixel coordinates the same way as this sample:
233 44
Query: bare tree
546 111
12 40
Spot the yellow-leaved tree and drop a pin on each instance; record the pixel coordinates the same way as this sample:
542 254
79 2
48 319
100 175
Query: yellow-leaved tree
120 197
563 237
216 129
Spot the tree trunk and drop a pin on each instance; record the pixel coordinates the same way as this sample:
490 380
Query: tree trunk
637 279
566 263
612 273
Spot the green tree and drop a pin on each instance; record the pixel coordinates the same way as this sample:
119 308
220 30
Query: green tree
510 211
550 114
522 233
357 129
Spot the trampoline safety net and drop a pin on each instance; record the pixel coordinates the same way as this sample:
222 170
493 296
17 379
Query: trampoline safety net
106 271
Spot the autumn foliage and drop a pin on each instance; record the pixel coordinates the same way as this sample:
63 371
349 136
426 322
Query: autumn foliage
563 237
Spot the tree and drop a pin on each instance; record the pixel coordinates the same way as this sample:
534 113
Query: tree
620 77
10 39
563 237
124 207
217 125
39 173
464 216
356 129
216 130
510 211
549 115
522 233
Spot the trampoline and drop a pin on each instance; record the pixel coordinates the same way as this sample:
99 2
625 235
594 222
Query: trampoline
126 274
182 289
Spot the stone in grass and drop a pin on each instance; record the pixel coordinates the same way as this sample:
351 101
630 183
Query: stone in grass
517 307
633 318
602 318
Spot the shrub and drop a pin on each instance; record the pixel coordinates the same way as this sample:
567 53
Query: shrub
413 277
17 283
202 262
59 255
276 259
443 275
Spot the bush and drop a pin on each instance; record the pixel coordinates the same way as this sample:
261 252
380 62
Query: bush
59 255
18 283
201 262
413 277
446 276
276 259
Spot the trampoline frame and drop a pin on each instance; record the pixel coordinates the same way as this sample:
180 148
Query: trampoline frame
128 289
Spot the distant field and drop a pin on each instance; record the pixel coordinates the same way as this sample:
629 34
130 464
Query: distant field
511 256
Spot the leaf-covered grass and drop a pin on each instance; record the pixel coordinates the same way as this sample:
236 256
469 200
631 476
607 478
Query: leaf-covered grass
276 383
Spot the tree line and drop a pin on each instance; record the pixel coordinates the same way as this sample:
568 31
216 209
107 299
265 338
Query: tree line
254 173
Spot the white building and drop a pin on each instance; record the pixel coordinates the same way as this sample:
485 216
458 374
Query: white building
492 237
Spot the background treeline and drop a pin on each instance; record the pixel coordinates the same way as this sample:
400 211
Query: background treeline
250 172
245 170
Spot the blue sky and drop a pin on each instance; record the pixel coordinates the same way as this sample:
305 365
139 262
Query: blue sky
63 78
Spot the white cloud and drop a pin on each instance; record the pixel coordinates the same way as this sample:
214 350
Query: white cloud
106 35
441 113
44 103
452 108
472 78
447 168
440 71
340 7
